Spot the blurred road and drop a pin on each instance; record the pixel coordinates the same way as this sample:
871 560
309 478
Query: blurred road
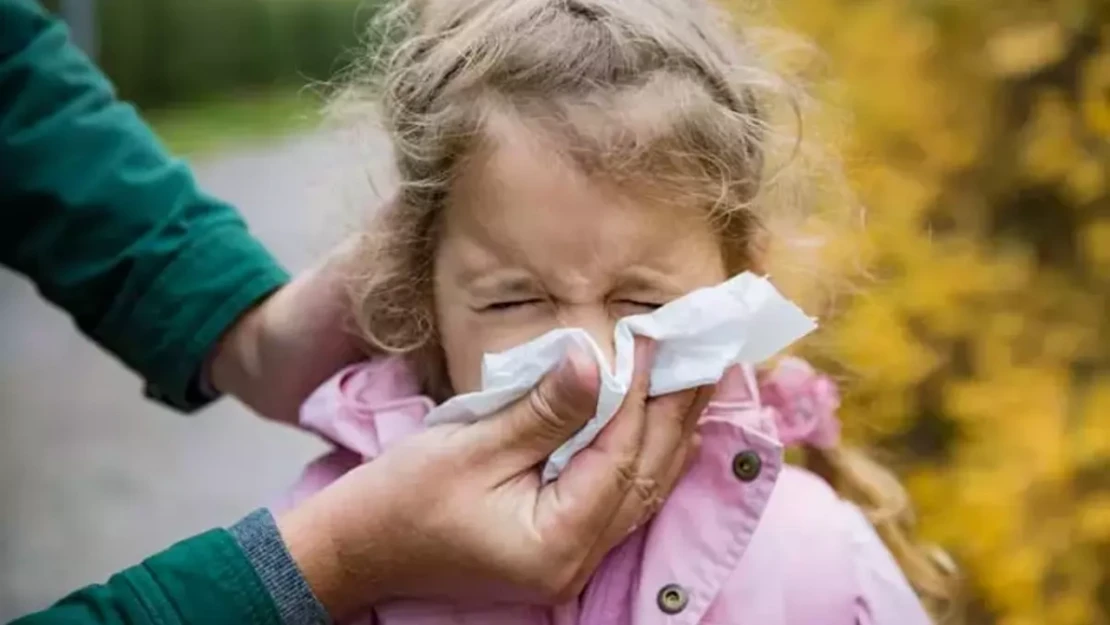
92 477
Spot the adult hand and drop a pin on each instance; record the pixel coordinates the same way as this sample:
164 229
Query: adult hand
286 346
460 510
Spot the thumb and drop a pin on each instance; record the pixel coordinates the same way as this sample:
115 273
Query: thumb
538 423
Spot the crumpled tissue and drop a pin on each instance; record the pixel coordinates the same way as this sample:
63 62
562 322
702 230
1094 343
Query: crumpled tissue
744 320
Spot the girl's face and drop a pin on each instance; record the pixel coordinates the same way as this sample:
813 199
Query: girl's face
529 244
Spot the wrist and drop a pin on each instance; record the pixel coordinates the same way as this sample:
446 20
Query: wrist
234 361
261 542
344 579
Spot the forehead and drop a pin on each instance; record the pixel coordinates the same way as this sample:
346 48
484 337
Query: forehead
521 201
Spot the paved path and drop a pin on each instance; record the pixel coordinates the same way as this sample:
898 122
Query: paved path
92 477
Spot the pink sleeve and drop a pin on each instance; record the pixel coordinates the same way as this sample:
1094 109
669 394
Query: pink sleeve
885 595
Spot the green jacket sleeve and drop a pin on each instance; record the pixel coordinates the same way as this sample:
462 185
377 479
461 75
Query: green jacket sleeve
107 225
206 580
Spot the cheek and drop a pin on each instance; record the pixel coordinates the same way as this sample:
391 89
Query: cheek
467 335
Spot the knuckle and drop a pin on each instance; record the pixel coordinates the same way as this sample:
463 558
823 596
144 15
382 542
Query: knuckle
625 473
635 401
673 407
647 490
544 408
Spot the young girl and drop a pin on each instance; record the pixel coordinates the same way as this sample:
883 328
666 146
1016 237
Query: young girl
569 163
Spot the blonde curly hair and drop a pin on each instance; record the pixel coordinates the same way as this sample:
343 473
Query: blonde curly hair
660 94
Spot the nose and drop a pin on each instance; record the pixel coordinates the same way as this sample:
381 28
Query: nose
596 321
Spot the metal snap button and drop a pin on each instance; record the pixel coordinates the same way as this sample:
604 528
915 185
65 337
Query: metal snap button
747 465
672 599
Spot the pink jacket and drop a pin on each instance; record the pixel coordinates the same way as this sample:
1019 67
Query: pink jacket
743 539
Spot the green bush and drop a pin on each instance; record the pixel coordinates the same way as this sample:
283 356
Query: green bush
161 52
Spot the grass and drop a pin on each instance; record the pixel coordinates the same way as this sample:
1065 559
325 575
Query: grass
201 128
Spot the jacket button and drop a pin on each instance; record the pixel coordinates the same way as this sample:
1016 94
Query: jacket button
746 465
672 599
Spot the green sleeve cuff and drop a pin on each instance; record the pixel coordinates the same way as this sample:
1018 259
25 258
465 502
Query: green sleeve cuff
196 299
206 579
259 538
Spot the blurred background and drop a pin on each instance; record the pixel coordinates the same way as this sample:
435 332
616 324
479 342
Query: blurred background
978 351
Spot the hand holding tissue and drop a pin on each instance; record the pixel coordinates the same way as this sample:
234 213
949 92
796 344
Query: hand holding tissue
699 336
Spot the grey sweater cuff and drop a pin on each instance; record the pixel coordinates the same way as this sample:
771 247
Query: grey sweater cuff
258 536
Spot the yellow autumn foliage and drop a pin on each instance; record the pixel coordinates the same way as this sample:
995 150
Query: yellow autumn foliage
977 355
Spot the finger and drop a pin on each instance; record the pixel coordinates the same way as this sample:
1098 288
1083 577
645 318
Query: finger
573 512
624 433
580 504
695 451
698 408
618 531
671 467
678 467
690 443
671 420
664 438
666 482
534 426
643 358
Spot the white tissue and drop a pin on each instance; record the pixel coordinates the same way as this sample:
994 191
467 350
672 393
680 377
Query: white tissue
744 320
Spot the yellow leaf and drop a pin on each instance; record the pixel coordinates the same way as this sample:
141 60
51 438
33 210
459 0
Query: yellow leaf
1095 94
1094 518
1050 148
1072 608
1025 49
1096 245
1092 436
1086 181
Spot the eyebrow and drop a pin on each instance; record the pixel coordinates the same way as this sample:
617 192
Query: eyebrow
500 283
644 279
503 284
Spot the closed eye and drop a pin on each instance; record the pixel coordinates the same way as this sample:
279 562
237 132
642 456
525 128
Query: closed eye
640 304
511 304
